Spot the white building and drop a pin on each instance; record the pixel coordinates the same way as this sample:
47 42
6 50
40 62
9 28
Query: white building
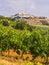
22 15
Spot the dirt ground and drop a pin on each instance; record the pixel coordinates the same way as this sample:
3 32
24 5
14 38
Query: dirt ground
12 60
4 61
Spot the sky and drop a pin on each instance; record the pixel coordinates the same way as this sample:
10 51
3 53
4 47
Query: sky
34 7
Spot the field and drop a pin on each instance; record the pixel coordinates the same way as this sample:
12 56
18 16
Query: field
23 44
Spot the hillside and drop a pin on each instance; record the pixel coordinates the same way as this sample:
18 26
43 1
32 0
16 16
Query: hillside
24 42
31 19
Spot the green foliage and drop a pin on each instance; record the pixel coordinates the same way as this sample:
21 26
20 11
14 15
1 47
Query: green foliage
29 27
5 22
30 63
39 44
2 17
44 22
41 17
21 25
39 63
35 42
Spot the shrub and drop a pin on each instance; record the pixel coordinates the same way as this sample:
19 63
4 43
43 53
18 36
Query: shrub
29 27
44 22
5 22
21 25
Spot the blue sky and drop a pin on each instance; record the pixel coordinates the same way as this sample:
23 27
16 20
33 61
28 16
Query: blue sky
35 7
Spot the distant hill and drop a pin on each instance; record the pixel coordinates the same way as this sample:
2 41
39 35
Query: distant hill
31 19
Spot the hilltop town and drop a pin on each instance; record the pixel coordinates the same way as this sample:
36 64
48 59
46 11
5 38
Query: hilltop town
31 19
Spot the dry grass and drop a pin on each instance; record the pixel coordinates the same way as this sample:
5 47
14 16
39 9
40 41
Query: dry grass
11 60
18 62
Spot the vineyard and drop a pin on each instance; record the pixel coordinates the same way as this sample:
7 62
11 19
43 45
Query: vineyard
22 37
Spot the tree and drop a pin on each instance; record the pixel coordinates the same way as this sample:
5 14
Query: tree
21 25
